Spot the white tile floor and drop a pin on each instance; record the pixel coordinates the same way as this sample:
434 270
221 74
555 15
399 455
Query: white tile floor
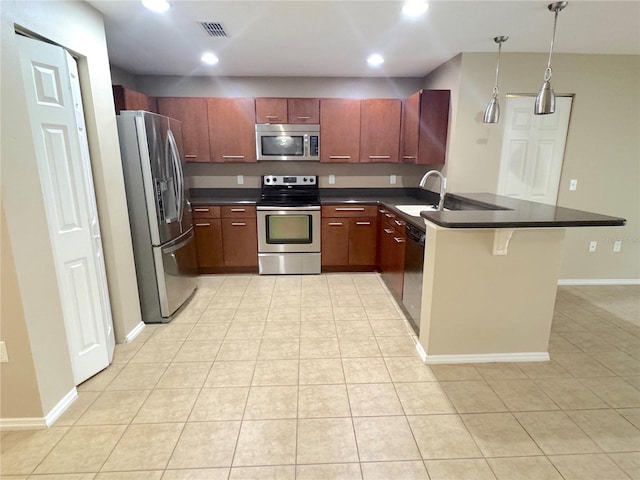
316 377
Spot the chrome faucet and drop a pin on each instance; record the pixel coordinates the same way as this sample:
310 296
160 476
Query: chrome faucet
443 185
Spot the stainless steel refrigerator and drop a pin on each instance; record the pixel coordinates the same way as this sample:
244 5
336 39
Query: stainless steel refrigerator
159 212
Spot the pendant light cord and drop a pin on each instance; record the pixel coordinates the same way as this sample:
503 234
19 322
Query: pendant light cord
547 72
495 88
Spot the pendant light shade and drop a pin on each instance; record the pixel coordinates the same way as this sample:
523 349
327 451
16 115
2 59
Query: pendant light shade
546 99
492 112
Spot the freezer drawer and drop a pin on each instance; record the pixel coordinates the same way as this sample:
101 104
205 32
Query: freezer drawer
176 272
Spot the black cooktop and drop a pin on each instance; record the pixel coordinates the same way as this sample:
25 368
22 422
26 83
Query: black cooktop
289 191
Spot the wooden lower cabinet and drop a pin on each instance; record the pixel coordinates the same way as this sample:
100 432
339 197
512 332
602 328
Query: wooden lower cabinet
240 237
209 243
226 238
349 237
392 242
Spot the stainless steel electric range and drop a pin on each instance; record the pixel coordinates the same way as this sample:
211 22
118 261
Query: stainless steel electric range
289 225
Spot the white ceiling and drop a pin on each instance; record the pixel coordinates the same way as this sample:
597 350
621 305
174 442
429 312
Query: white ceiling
333 38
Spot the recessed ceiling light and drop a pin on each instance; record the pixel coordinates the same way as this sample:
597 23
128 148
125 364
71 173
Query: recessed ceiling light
209 58
375 60
159 6
415 8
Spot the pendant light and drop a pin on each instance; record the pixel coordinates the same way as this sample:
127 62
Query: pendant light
546 99
492 113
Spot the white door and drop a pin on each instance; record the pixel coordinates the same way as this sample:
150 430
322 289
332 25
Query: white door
533 150
55 109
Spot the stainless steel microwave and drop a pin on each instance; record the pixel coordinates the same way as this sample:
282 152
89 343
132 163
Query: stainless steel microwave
287 142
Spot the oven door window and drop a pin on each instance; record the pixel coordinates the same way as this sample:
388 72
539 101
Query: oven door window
289 229
282 145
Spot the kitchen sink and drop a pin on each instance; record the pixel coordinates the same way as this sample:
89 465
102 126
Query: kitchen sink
414 210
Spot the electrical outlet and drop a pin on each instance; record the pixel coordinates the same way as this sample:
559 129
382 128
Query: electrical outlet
617 246
573 184
593 245
4 356
240 179
392 179
332 179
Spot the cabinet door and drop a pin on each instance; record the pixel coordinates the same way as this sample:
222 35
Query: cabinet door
434 126
362 241
409 129
192 112
303 110
240 242
232 129
339 130
271 110
380 130
209 243
128 99
335 242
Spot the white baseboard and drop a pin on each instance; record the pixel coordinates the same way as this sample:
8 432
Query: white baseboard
61 407
134 333
599 281
487 357
38 423
421 352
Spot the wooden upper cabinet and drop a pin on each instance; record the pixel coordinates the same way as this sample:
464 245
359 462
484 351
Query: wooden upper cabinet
339 130
380 130
303 110
425 126
232 129
409 129
192 112
271 110
128 99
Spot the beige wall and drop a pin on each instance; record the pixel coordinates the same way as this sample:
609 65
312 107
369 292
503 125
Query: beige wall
79 28
508 299
19 394
329 87
602 151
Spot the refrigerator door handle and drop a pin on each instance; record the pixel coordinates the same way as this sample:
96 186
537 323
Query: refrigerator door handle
172 148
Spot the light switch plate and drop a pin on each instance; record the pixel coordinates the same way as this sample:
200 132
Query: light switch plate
573 184
240 179
617 246
593 245
392 179
332 179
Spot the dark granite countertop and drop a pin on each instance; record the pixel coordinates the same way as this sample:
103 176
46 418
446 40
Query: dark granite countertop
468 210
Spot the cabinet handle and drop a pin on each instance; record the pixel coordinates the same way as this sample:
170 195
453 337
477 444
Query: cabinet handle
271 116
238 224
238 209
363 223
399 240
191 156
379 157
304 118
340 157
203 224
201 209
335 224
408 157
388 230
232 156
389 215
349 209
399 223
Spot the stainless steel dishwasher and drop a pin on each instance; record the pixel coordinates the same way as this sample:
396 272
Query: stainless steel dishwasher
413 265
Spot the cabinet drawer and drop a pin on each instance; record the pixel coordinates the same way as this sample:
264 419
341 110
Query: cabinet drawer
349 211
240 211
396 224
205 211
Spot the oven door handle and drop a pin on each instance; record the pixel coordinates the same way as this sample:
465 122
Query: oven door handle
288 209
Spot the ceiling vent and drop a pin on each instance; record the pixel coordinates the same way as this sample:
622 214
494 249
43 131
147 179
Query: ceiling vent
214 29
